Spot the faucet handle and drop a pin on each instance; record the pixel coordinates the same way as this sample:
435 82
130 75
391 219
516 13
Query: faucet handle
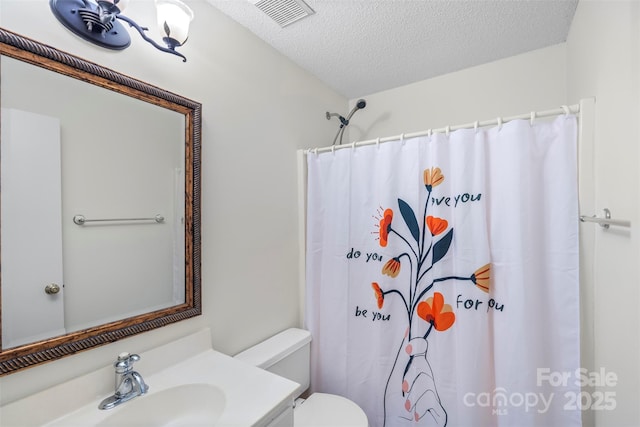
132 357
124 362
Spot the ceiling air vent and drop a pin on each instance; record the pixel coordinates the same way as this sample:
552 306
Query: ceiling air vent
284 12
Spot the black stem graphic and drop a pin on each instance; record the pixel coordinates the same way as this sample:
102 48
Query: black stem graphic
428 331
410 275
422 275
392 291
424 258
442 279
424 227
405 240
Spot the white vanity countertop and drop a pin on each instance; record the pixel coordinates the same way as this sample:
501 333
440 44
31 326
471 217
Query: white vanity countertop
253 396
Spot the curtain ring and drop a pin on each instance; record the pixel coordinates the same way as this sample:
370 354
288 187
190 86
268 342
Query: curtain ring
447 130
429 133
378 143
566 110
333 149
315 151
533 117
476 124
353 145
499 123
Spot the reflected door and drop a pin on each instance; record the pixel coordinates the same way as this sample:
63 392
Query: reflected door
31 235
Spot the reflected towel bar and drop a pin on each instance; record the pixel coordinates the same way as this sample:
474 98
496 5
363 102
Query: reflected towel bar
606 221
81 220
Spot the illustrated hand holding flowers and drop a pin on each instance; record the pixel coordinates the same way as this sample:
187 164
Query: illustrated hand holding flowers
411 384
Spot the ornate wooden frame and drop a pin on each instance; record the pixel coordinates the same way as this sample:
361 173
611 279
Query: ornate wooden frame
30 51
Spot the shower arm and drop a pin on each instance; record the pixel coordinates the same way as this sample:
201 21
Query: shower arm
345 122
340 132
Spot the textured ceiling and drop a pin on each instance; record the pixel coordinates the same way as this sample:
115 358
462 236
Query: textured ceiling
359 47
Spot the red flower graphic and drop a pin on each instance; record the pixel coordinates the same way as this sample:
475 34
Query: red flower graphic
392 267
379 294
482 277
385 227
435 311
436 225
432 177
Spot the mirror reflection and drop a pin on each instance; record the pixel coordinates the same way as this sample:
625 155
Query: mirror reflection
99 208
70 148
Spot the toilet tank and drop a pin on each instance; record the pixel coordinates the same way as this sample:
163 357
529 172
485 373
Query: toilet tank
286 354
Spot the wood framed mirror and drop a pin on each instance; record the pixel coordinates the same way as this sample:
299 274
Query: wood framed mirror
118 226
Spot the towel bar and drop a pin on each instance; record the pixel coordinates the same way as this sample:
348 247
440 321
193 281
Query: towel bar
81 220
606 221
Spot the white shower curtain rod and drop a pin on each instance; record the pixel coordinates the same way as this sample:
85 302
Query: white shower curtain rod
565 109
570 109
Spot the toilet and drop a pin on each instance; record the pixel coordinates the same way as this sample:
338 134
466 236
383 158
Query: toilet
288 354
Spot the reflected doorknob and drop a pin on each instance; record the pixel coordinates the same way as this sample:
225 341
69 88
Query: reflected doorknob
52 289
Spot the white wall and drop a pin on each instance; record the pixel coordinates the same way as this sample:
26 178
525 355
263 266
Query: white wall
603 61
258 109
533 81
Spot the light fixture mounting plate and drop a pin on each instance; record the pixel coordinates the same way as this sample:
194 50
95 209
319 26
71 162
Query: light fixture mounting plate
67 12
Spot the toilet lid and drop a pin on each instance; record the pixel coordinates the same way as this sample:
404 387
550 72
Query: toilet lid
322 409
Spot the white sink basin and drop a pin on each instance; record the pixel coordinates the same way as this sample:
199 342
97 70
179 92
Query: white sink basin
190 384
184 405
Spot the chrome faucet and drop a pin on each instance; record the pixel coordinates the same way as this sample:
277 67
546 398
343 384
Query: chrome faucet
129 383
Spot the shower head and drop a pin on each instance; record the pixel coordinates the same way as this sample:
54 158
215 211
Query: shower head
344 122
360 104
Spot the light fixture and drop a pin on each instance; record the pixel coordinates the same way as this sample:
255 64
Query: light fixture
97 21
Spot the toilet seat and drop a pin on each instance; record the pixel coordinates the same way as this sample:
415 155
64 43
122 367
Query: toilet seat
321 409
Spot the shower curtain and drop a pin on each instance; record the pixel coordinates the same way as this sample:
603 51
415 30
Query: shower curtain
442 277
